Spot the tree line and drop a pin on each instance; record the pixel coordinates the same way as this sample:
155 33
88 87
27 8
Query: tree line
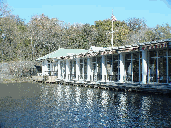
41 35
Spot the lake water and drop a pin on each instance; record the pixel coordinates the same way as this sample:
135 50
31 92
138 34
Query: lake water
45 105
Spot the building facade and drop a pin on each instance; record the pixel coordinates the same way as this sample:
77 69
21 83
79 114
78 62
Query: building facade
148 62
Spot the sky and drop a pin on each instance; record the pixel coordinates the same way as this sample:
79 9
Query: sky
87 11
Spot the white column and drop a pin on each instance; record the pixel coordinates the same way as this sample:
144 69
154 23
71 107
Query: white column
43 67
122 67
59 70
91 73
139 67
88 69
144 67
104 71
83 69
63 68
96 70
118 67
112 66
77 68
67 69
56 67
167 66
73 68
51 68
148 70
132 73
157 66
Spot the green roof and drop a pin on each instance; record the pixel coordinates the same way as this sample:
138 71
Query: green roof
63 52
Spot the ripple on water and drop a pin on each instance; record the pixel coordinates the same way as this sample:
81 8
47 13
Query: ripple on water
45 105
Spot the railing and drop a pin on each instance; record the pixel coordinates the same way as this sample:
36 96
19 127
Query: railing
45 78
39 74
71 76
99 77
85 77
111 77
94 77
81 77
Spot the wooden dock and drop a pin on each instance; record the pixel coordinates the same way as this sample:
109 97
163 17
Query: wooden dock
116 86
45 79
148 88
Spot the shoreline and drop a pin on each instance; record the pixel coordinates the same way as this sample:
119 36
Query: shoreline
17 80
12 71
127 87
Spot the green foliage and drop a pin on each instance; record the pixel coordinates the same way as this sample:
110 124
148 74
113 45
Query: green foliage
20 41
150 35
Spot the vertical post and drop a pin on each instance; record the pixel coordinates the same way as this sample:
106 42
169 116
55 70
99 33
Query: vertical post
51 68
96 69
122 67
139 67
112 32
113 19
62 69
144 67
148 70
157 66
148 65
77 68
88 69
83 69
104 73
59 70
72 72
112 65
47 68
54 65
56 68
67 69
118 67
132 73
43 67
167 66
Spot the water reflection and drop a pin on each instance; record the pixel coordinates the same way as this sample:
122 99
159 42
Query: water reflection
90 95
123 104
59 92
69 106
68 95
146 103
122 110
146 115
77 95
105 98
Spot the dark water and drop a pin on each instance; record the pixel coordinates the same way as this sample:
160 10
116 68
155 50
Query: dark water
37 105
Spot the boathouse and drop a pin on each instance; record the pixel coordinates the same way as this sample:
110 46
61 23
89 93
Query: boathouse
60 63
148 62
